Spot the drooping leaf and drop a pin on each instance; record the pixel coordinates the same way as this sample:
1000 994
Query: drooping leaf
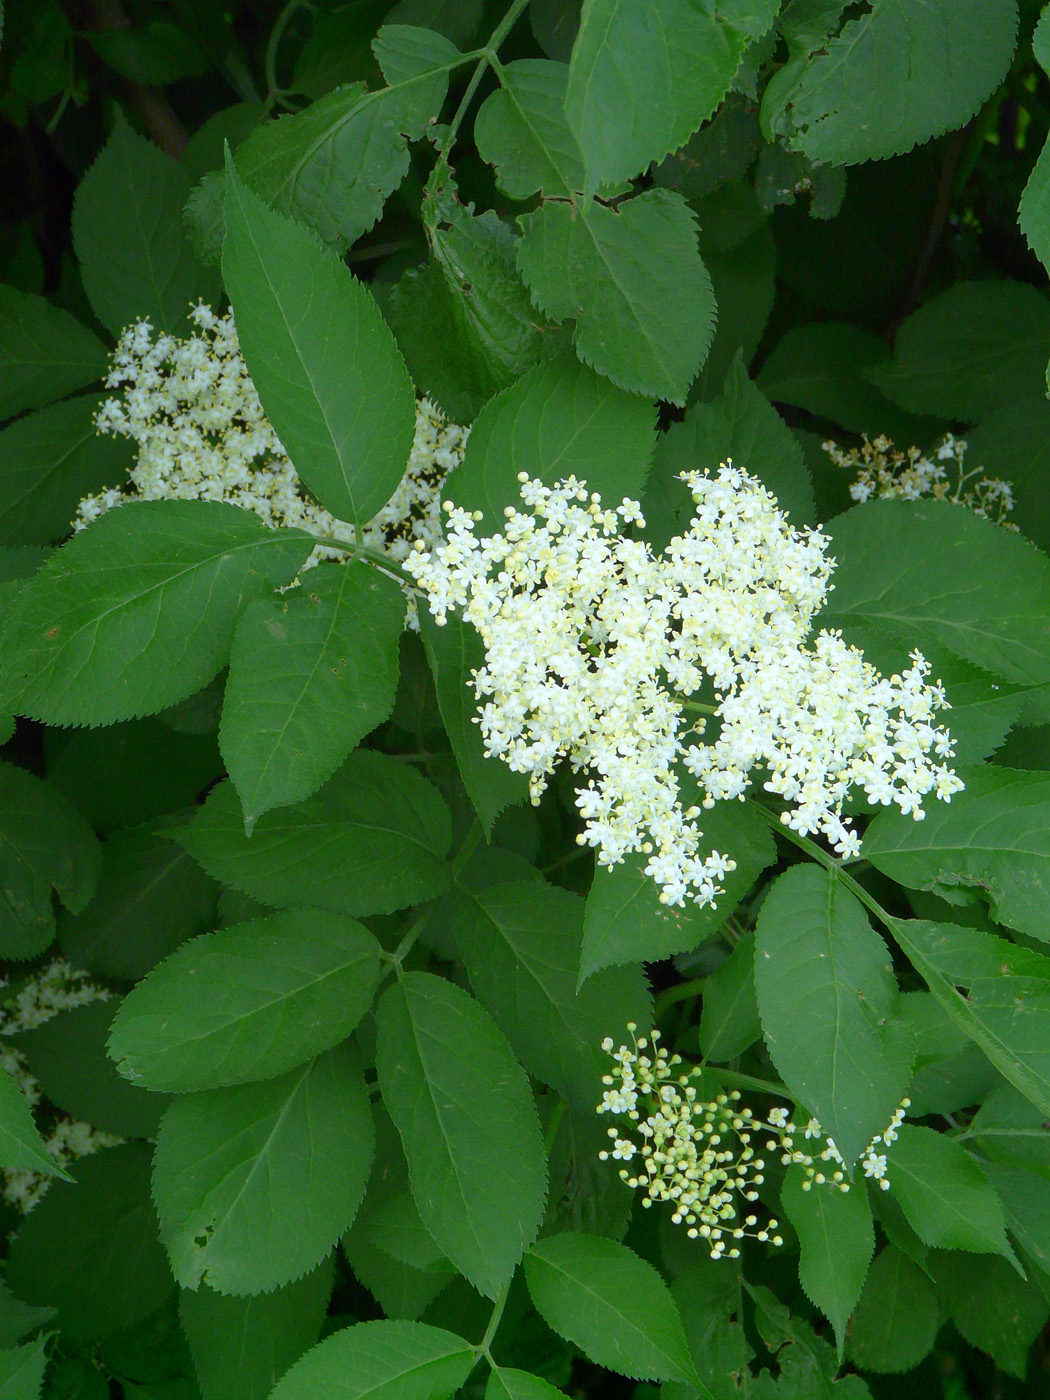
138 611
897 1317
969 351
625 921
895 75
626 51
255 1184
612 1304
45 353
90 1247
311 672
946 1197
520 943
332 166
150 896
634 283
559 420
373 839
247 1002
837 1239
327 370
386 1360
453 651
472 1141
826 993
67 1058
899 569
242 1346
138 266
46 847
48 462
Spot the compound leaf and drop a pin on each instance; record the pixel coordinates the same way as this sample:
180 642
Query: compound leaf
255 1184
138 611
247 1002
946 1197
384 1360
472 1139
311 673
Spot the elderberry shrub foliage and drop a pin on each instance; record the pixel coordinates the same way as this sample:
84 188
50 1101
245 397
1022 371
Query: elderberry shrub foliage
525 676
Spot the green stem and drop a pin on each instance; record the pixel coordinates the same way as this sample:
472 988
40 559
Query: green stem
747 1081
685 991
273 90
375 557
699 709
486 59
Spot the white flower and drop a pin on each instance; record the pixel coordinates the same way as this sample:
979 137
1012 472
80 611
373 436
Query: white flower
594 646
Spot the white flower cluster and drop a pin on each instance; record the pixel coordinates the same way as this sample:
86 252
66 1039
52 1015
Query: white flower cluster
872 1160
44 994
694 1154
593 645
889 474
191 407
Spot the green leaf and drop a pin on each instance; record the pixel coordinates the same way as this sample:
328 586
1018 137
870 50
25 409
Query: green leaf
45 847
372 840
453 652
897 1317
837 1238
67 1057
49 461
993 836
1008 1004
969 351
894 76
22 1371
743 283
520 944
138 611
255 1184
742 426
327 370
472 1138
281 990
506 1383
311 673
729 1021
386 1360
613 1305
484 303
18 1319
707 1293
242 1346
821 368
150 896
946 1197
626 52
154 53
992 1307
1033 214
559 420
522 130
826 992
900 568
625 921
634 282
45 353
806 1362
90 1247
332 166
20 1143
138 266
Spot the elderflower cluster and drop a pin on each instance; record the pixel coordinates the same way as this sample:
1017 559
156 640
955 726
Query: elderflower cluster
696 1155
594 646
44 994
201 433
889 474
872 1160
